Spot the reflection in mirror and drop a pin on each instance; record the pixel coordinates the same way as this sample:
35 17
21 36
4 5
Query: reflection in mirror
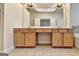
44 22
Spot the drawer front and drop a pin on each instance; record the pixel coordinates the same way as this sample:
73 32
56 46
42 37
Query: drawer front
54 30
32 30
63 30
56 35
16 30
39 30
69 30
47 30
24 30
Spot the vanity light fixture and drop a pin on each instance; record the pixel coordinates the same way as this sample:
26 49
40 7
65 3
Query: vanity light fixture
29 4
43 9
59 5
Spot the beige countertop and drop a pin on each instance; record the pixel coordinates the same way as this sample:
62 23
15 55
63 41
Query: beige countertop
42 27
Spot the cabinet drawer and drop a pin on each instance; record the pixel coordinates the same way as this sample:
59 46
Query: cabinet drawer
47 30
39 30
69 30
32 30
24 30
16 30
62 30
56 35
54 30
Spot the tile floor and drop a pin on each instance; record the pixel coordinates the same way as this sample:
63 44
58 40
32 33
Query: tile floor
44 50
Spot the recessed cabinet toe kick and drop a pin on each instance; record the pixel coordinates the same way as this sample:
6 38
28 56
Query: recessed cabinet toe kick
27 37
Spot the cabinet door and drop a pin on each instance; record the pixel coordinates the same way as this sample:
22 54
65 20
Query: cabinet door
30 40
68 40
19 39
56 39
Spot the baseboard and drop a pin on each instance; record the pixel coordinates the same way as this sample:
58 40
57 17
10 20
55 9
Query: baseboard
8 50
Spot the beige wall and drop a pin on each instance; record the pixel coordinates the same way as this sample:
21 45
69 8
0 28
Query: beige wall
1 26
25 18
12 18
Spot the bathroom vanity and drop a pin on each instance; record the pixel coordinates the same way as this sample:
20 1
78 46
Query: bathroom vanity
28 37
56 23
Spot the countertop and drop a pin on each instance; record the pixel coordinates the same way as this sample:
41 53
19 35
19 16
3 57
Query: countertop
42 27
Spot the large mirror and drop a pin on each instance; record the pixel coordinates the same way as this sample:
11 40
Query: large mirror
58 14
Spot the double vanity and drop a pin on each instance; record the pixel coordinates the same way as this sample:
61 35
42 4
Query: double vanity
28 37
56 23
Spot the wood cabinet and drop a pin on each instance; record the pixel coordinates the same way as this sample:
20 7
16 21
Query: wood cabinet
19 39
30 39
56 40
62 38
43 30
24 38
68 40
